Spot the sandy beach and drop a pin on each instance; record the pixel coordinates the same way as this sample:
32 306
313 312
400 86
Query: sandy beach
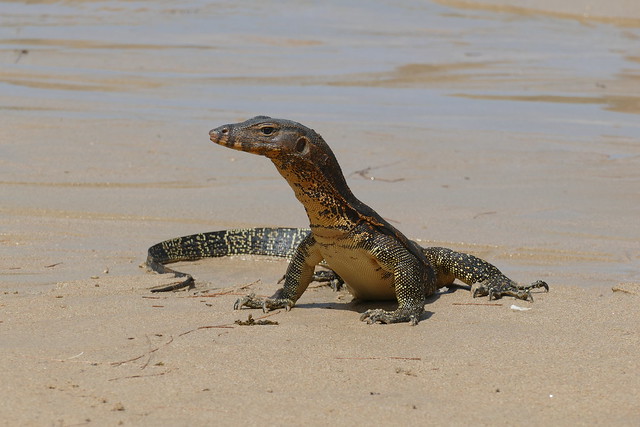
508 132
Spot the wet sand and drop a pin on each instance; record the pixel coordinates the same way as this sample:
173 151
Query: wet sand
510 133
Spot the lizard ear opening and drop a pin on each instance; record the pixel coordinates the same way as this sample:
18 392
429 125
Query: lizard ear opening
301 144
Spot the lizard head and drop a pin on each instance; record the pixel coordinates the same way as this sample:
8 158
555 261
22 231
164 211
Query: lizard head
275 139
300 154
304 159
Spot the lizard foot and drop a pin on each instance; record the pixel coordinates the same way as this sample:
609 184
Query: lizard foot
330 277
498 286
400 315
324 276
266 304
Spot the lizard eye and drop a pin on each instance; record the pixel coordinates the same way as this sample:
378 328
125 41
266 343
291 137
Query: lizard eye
267 130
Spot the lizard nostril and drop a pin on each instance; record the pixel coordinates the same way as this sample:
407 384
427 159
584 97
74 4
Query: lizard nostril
225 131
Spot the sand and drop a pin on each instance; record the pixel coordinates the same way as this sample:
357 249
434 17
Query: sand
507 132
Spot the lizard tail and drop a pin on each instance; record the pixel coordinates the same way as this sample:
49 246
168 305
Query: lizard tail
278 242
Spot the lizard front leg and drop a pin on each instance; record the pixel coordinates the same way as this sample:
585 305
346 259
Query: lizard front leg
299 275
413 279
487 278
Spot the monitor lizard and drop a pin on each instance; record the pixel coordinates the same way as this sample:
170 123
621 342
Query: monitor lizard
373 258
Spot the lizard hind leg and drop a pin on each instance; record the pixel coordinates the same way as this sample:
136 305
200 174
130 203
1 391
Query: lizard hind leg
484 278
499 285
329 277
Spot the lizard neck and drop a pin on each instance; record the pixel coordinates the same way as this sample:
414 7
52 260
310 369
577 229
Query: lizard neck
327 199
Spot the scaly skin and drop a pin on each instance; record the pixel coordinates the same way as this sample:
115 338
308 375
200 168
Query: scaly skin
279 242
376 261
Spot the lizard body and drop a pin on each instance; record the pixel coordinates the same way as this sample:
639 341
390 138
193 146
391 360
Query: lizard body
375 260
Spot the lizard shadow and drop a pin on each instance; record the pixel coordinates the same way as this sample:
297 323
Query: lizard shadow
360 306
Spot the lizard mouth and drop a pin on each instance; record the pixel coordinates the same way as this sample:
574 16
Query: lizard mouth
220 136
223 136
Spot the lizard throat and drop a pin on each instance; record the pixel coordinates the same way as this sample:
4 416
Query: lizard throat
326 207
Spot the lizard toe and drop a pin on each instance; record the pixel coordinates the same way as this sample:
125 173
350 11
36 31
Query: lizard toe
498 286
274 303
250 301
371 316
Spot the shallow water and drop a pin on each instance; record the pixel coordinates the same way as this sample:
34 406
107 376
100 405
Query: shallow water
415 60
518 129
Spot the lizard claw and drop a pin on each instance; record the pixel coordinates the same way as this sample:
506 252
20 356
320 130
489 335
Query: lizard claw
266 304
400 315
271 304
369 316
250 301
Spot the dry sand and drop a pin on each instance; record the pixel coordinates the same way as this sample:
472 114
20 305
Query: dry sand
509 133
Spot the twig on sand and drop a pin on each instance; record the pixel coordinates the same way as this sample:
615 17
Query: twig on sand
379 358
141 376
230 291
52 265
478 303
153 350
364 173
142 355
